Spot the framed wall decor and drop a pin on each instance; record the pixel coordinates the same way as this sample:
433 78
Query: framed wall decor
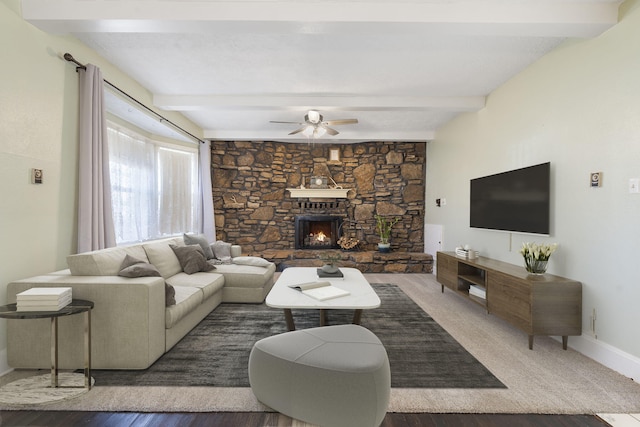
334 154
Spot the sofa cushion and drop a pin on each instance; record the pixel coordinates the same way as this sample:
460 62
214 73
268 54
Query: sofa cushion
245 276
187 300
236 250
209 283
163 257
133 267
103 262
191 258
199 239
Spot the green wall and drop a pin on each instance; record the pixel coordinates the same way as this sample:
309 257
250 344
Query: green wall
38 129
578 107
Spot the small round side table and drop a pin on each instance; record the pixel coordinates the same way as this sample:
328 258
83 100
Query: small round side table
76 306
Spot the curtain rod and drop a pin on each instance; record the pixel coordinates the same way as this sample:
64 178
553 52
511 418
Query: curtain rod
162 119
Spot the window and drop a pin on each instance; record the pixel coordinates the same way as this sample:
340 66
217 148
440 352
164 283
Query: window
154 187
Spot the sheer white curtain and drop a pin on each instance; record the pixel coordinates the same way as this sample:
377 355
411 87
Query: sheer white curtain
179 198
95 224
154 187
134 187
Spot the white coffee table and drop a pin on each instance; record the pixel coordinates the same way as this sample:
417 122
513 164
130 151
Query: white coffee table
361 294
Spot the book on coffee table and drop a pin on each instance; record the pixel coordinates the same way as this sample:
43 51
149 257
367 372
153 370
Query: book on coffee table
320 290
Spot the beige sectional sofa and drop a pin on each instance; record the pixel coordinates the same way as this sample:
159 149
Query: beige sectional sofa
132 324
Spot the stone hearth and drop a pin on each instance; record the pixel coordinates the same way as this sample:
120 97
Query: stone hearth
365 261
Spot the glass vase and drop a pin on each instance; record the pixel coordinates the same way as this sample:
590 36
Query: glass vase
535 266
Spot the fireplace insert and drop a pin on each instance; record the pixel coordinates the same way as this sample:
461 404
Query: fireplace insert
318 231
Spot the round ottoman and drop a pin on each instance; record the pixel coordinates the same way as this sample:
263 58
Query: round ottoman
329 376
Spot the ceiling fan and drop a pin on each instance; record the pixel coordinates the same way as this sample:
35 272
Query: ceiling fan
314 126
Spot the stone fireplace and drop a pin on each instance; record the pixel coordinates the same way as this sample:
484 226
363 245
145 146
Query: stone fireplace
317 231
254 207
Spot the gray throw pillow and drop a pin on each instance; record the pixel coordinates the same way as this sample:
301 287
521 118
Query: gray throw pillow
199 239
133 267
192 258
221 250
169 295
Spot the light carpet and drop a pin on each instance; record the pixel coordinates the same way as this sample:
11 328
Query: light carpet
546 379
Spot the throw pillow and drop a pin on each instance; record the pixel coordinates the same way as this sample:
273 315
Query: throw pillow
251 260
199 239
169 295
192 258
133 267
129 260
221 250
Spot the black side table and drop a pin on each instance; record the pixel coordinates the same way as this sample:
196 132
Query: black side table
76 306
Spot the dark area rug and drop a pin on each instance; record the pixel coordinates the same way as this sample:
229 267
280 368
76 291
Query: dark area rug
216 352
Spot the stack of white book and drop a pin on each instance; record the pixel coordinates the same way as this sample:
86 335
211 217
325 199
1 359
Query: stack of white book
477 291
43 299
467 253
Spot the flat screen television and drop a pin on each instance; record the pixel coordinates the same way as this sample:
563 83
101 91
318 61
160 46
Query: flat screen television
516 200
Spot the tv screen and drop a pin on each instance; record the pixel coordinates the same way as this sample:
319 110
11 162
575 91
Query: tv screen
516 200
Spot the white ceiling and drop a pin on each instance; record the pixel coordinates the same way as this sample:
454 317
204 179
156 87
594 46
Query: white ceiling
402 68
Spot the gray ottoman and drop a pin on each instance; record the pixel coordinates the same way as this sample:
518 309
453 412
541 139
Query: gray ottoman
329 376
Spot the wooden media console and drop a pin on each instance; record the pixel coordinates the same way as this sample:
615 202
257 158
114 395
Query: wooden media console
537 304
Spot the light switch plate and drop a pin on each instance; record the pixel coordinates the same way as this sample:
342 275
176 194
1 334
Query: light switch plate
634 185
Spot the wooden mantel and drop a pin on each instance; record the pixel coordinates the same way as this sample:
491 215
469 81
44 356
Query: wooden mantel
336 193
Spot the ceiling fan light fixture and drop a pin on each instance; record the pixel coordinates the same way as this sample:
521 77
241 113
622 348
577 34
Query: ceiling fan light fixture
314 126
314 116
308 131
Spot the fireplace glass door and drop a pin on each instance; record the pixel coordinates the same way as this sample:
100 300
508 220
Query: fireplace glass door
317 231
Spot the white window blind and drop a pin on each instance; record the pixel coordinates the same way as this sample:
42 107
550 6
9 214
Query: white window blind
154 187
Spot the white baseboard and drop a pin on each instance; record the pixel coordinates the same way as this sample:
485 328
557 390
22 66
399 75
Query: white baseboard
607 355
4 366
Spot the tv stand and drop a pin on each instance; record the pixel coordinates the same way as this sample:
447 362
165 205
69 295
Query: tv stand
536 304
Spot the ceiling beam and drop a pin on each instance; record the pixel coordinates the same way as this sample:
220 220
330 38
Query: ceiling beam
349 137
522 18
324 103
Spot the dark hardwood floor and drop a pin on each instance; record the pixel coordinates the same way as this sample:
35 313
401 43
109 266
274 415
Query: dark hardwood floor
263 419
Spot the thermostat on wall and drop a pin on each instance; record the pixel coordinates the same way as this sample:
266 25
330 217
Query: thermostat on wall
596 179
36 176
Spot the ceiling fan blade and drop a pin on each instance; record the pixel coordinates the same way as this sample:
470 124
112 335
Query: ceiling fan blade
330 131
300 129
341 122
314 120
